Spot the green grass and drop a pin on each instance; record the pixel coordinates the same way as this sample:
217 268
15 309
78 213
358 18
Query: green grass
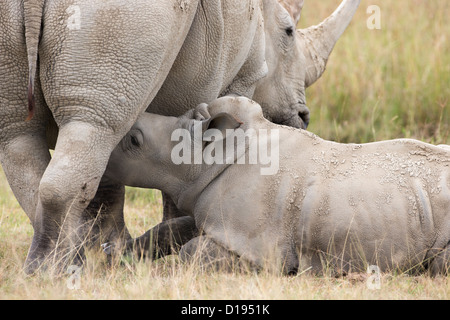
380 84
388 83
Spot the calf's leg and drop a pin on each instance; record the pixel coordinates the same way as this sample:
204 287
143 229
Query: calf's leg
210 256
104 217
164 239
441 263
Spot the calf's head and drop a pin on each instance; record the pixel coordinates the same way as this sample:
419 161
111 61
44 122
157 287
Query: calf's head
166 152
296 58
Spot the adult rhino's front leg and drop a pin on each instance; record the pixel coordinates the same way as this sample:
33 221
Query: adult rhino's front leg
101 65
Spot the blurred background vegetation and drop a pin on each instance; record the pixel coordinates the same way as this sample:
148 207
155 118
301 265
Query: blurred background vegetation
388 83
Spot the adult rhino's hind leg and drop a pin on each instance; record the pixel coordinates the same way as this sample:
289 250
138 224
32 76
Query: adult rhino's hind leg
24 153
66 189
97 78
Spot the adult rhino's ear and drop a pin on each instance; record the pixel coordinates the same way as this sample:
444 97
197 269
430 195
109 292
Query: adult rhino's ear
294 7
220 122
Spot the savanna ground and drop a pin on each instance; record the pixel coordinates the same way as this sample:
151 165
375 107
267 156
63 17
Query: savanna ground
379 84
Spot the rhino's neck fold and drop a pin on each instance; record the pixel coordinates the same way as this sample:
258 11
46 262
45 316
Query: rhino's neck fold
190 192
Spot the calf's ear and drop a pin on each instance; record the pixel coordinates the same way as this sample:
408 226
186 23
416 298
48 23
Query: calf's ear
221 121
201 112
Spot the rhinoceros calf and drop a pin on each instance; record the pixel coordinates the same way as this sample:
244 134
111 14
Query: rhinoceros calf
321 204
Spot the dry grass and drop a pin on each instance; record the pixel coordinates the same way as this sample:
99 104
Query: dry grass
388 83
169 279
380 84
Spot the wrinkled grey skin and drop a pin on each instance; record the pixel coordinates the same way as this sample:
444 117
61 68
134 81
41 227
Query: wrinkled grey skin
295 60
346 205
95 81
83 73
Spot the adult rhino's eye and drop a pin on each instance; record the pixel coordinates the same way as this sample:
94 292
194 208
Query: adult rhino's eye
289 31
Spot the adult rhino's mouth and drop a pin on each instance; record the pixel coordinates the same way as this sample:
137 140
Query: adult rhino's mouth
299 118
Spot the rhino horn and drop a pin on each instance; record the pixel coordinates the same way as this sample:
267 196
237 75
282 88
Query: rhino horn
317 42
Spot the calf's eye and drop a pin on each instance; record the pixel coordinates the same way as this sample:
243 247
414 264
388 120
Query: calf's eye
134 141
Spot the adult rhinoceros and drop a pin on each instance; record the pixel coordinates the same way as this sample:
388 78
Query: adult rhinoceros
101 63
